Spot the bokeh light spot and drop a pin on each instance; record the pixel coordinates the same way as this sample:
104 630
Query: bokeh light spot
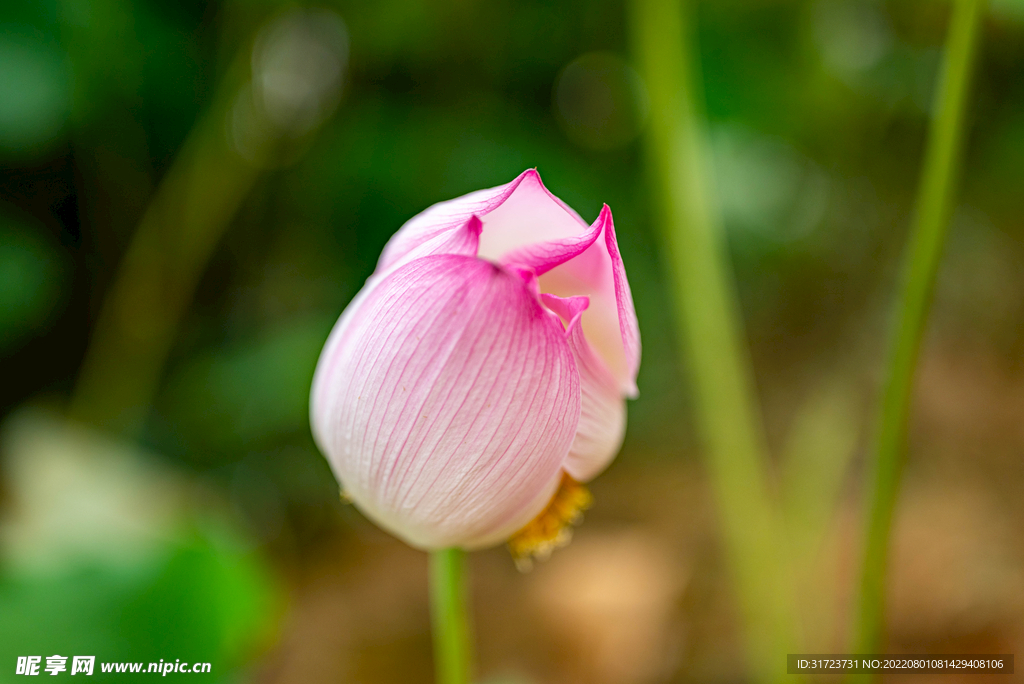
35 95
600 101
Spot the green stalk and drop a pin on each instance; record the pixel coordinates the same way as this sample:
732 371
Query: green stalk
448 609
711 332
934 204
189 213
217 167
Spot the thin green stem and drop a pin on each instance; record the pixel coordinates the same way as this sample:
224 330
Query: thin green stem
934 203
155 282
448 609
711 330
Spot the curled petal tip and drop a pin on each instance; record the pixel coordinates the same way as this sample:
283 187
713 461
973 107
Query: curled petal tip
629 327
541 257
569 309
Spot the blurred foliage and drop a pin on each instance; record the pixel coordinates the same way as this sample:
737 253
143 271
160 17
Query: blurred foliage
109 552
817 111
195 604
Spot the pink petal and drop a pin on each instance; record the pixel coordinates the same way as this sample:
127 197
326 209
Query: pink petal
602 423
523 224
443 217
529 215
462 239
610 321
447 402
628 324
514 215
541 257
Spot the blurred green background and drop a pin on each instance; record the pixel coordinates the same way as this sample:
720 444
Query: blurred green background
272 150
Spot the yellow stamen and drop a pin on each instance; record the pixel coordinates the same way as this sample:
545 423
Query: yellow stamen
552 529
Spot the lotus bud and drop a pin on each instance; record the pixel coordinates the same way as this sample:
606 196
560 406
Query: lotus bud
479 377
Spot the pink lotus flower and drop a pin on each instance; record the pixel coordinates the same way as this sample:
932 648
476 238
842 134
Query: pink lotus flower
481 373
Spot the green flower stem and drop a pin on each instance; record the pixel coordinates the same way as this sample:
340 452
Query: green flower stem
711 332
934 203
448 609
189 213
